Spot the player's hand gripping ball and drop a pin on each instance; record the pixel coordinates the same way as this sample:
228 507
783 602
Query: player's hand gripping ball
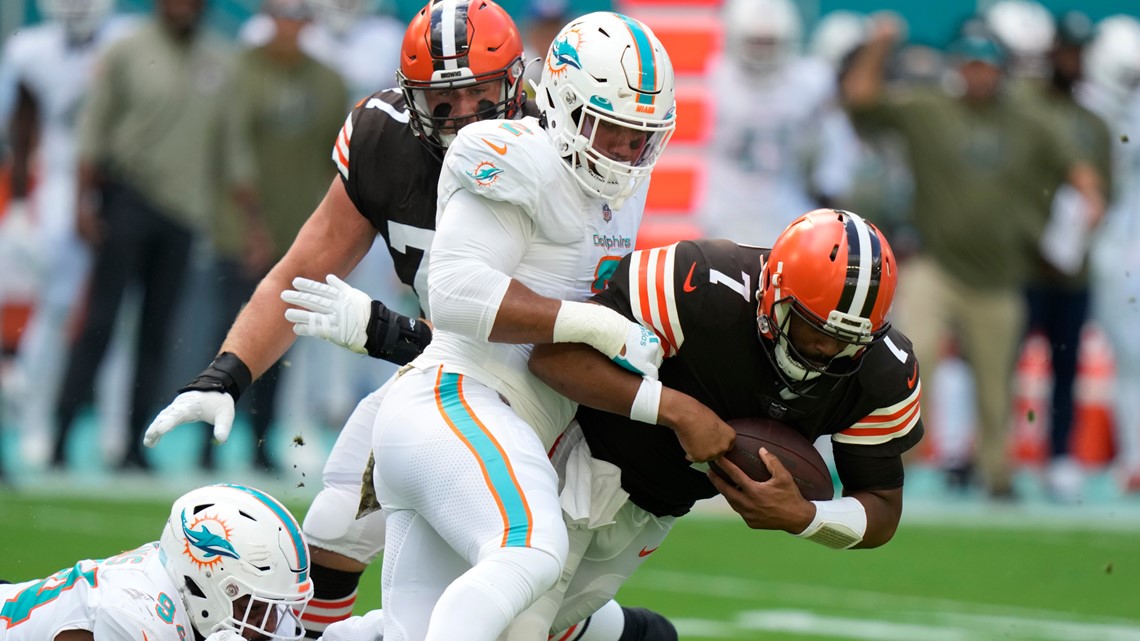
797 454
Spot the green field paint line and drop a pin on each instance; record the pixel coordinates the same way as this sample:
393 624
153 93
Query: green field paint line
937 627
728 587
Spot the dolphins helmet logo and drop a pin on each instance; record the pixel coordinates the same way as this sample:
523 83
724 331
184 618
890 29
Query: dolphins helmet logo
207 540
485 173
564 52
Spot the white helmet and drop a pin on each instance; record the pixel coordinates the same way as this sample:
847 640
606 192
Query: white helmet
1112 60
838 34
607 78
1026 29
762 34
80 18
223 543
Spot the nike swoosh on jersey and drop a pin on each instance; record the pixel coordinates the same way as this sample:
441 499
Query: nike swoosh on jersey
913 378
689 286
499 149
647 551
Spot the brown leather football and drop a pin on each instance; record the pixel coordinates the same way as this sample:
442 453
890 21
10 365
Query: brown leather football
793 449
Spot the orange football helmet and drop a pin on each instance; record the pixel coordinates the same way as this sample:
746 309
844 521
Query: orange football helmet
836 272
458 52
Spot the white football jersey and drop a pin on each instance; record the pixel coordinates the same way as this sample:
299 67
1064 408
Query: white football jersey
58 75
575 243
779 137
128 597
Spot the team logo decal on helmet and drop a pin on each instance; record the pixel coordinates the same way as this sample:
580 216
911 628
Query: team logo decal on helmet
485 173
206 548
564 52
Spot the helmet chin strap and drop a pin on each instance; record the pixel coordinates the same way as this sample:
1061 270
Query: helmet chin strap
791 367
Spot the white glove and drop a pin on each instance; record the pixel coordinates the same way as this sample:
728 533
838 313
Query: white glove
642 352
216 408
369 627
336 312
225 635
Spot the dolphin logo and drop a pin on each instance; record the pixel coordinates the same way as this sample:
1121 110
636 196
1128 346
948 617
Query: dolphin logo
485 174
210 544
565 54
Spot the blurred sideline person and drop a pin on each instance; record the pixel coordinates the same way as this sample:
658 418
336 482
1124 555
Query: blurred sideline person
45 73
1058 292
782 144
798 333
363 46
151 136
231 565
1113 70
388 156
286 107
532 215
1028 32
979 161
347 35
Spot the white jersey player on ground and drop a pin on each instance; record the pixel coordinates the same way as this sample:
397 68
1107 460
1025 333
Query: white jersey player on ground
231 565
45 72
532 214
781 144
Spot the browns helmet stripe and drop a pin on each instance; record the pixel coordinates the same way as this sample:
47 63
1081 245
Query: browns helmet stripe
864 266
449 44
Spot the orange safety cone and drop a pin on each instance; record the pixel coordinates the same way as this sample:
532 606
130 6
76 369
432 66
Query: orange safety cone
1091 441
1032 386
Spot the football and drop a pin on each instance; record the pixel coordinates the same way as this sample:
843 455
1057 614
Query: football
797 454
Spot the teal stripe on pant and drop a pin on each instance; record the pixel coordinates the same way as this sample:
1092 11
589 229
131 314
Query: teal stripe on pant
494 461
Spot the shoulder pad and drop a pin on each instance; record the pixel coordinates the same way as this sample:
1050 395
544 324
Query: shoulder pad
368 120
890 369
503 160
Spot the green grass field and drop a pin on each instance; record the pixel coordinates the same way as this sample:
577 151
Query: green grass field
958 580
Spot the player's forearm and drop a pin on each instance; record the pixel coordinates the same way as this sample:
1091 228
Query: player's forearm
524 316
24 127
884 510
585 376
332 241
260 335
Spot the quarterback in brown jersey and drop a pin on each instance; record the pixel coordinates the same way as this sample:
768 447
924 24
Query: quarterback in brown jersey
797 333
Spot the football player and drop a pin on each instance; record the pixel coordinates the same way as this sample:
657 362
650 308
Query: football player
533 214
782 145
461 62
231 564
798 333
45 73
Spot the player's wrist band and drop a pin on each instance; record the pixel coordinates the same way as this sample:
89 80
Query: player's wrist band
394 337
838 524
647 402
226 374
597 326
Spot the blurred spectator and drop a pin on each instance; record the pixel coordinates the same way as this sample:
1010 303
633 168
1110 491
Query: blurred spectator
1025 29
363 45
1058 292
286 108
352 36
979 161
781 145
45 73
149 150
1113 70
